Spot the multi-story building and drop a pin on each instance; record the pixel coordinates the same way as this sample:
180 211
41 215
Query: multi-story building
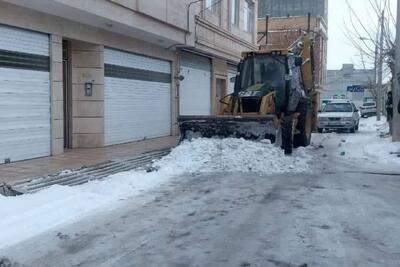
350 83
93 73
288 19
293 8
283 31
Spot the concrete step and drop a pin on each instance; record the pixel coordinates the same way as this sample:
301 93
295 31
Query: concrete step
84 174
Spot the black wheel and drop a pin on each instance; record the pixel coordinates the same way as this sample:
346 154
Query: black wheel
320 130
353 129
356 128
287 135
304 125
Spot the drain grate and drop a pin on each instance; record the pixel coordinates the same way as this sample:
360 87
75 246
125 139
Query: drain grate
83 175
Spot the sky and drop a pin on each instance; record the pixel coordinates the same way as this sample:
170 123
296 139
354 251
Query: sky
340 49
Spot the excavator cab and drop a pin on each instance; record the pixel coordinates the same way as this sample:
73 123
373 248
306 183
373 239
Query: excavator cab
261 74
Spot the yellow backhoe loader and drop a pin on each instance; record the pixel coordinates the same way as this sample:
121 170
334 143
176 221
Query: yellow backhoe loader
274 98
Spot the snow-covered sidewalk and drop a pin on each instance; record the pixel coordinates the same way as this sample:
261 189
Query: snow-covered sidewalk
369 147
25 216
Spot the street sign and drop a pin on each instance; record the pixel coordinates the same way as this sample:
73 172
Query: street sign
355 89
342 96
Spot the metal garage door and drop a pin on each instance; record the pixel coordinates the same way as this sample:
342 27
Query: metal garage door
195 89
137 97
24 94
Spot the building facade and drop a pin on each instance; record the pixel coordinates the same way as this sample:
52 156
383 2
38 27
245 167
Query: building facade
341 84
290 8
83 74
284 31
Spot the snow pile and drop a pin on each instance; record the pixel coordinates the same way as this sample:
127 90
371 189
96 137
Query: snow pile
233 155
372 125
25 216
384 151
370 144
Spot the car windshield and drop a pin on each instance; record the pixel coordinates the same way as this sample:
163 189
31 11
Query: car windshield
262 70
338 107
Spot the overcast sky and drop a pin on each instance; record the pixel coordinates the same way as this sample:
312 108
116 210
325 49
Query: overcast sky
340 49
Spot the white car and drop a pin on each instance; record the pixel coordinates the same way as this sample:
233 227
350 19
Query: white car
339 114
368 109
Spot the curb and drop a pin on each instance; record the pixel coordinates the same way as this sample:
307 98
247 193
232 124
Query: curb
83 174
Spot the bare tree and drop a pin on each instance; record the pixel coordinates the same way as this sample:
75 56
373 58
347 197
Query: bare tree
366 38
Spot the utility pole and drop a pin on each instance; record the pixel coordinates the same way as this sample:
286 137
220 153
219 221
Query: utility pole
376 65
380 68
396 80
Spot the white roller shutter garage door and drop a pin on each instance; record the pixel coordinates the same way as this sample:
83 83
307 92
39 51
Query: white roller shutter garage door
137 97
195 89
24 94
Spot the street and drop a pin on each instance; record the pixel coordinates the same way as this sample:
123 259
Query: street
191 133
339 214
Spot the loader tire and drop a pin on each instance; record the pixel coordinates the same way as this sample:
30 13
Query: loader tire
287 135
304 125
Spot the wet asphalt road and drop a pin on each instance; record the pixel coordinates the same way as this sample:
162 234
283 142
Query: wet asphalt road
337 216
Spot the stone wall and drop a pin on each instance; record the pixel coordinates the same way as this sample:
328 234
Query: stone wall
56 79
87 61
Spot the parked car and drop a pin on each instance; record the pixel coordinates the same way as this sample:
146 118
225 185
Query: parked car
339 114
368 109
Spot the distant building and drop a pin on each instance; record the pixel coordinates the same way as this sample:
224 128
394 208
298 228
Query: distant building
284 8
344 83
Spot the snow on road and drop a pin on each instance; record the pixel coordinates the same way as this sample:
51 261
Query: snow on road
370 145
29 215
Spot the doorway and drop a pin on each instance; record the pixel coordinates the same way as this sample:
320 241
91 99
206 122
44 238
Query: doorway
220 92
67 100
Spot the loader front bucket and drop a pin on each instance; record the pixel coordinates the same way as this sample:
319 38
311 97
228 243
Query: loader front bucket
255 127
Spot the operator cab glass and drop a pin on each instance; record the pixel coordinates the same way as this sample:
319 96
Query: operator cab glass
338 107
262 74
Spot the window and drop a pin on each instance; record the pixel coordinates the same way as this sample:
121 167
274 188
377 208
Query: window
235 12
263 72
338 107
212 5
248 15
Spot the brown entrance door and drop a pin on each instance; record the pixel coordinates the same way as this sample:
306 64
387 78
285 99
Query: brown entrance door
220 93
